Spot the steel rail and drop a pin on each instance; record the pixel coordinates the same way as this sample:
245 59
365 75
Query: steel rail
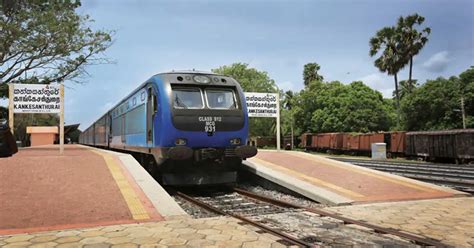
286 237
425 175
420 164
460 177
424 241
419 168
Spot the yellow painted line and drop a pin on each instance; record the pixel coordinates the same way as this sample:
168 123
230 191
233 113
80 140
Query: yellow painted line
308 178
128 193
367 173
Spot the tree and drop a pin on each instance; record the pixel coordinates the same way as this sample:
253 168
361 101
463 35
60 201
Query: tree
412 40
310 73
47 41
288 99
406 88
336 107
436 105
466 90
252 80
391 60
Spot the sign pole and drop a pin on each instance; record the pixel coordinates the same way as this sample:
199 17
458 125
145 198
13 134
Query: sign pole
10 106
278 121
61 119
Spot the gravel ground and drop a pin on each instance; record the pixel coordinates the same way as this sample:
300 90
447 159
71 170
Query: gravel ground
323 231
301 201
198 212
193 210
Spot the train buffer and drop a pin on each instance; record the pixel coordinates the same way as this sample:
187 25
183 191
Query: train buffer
338 183
86 187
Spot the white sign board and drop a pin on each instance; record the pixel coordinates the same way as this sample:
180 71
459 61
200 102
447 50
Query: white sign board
265 105
36 98
262 104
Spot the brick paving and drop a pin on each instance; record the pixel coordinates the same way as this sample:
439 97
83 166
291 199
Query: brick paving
209 232
42 190
359 184
449 220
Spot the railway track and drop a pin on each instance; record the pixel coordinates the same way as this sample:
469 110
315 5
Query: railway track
454 176
300 226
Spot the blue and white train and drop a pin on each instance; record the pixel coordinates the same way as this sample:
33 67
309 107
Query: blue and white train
185 127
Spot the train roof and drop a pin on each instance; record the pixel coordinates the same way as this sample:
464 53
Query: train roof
144 83
190 72
454 131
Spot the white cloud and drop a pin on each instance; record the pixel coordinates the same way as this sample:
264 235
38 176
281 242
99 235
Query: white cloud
438 62
380 82
288 85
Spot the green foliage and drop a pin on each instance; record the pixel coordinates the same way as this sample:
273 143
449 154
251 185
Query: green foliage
412 40
310 73
335 107
436 104
47 41
397 45
252 80
386 42
467 79
3 113
406 88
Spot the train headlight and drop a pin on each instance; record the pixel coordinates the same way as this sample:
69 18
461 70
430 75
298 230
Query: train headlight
202 79
180 142
235 141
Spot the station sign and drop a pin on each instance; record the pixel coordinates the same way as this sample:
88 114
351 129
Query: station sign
265 105
36 98
262 104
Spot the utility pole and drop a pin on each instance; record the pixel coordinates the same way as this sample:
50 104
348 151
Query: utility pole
463 113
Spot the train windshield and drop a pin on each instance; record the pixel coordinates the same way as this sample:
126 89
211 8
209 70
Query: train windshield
187 98
220 99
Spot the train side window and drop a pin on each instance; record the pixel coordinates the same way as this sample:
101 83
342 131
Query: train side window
155 104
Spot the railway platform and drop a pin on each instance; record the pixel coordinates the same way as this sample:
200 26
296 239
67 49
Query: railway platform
41 190
450 220
337 183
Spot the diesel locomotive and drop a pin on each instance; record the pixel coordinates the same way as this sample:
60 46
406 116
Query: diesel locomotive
185 127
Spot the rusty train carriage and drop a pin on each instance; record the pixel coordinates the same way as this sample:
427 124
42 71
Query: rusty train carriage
450 145
453 144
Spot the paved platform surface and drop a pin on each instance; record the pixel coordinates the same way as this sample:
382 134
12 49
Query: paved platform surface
42 190
334 182
210 232
450 220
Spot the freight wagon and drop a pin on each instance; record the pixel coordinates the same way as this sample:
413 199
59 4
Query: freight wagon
457 145
444 146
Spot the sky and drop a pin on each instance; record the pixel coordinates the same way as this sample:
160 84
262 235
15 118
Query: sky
278 37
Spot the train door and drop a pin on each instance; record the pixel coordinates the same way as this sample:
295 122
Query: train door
151 109
108 129
123 129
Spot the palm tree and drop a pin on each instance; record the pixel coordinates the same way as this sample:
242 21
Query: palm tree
412 40
391 61
310 73
288 104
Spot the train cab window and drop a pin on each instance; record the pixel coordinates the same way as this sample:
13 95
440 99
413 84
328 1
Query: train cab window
220 99
187 98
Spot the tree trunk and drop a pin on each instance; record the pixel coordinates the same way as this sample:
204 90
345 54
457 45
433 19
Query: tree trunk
398 99
409 75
